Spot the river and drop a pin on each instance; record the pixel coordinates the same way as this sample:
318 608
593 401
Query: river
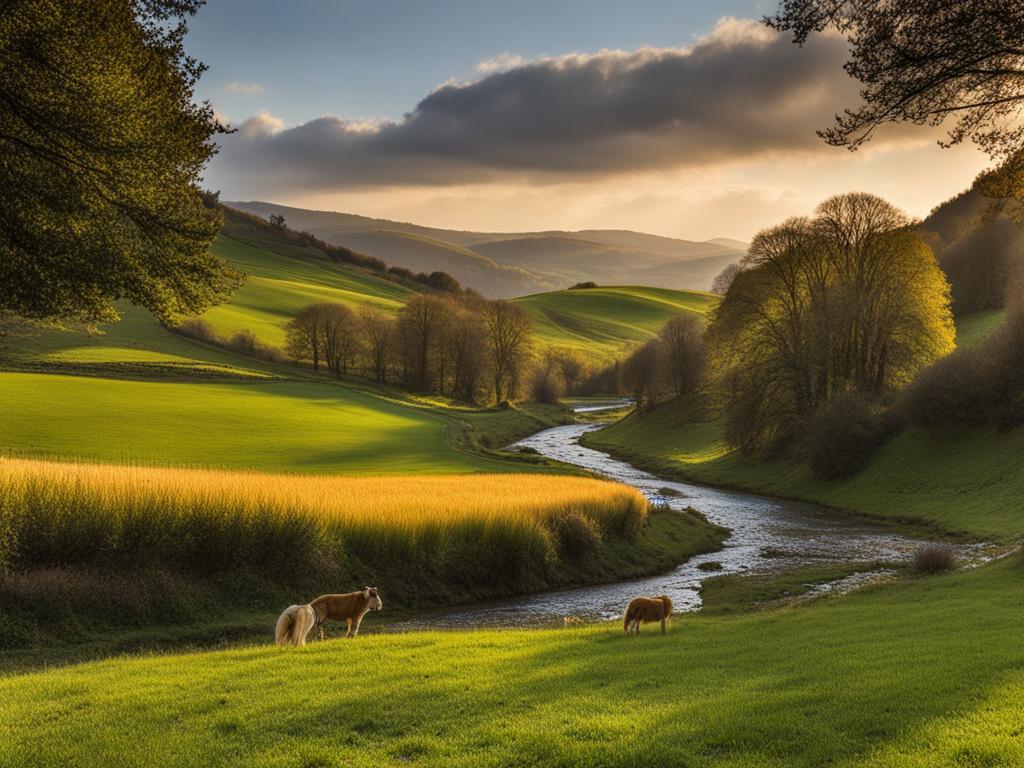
767 535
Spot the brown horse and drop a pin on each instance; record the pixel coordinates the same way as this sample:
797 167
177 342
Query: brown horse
646 609
297 620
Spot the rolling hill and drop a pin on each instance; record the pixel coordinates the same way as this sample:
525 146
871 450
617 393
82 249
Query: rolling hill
602 322
503 265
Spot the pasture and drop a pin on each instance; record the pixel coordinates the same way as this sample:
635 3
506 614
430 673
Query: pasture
602 322
296 426
969 481
914 674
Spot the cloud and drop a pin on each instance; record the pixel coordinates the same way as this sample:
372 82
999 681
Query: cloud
741 92
246 88
500 63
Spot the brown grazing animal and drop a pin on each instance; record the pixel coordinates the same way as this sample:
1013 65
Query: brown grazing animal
297 620
646 609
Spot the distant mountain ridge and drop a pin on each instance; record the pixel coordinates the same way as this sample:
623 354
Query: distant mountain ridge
506 264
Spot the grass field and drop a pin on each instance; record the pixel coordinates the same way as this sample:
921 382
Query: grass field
972 328
283 278
297 426
969 481
603 321
919 674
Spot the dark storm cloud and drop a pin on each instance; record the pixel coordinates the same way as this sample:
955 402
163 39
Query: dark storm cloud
740 92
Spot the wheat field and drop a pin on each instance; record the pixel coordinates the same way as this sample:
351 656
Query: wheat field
456 528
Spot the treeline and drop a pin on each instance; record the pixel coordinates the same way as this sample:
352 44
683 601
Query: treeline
834 333
465 347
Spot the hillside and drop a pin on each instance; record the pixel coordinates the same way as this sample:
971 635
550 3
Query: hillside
800 686
604 321
551 259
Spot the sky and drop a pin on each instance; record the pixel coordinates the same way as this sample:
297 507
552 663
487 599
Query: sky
686 119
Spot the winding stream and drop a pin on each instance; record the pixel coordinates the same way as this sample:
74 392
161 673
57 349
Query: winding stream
768 535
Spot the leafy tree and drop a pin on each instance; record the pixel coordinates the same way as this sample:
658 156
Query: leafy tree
101 151
921 61
851 300
277 221
304 335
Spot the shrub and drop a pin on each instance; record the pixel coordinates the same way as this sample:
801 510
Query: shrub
583 286
578 537
843 437
196 328
934 558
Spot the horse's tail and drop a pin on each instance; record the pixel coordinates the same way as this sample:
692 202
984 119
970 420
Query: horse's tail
294 624
667 602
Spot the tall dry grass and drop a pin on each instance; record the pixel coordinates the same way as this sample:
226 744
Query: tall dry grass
474 533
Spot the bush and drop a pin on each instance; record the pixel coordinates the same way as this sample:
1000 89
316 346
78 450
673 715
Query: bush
577 535
583 286
934 558
843 437
198 329
246 343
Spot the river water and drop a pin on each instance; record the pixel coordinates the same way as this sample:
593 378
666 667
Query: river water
768 535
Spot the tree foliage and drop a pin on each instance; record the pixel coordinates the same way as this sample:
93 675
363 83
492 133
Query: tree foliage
850 300
101 151
921 61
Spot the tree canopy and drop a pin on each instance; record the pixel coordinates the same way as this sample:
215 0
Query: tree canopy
851 300
922 61
101 151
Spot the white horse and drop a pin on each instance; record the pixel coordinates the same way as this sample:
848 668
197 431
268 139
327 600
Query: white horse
294 624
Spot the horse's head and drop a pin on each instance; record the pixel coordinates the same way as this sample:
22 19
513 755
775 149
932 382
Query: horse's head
375 601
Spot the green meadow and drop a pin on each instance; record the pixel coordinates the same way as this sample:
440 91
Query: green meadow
282 278
296 426
911 674
604 321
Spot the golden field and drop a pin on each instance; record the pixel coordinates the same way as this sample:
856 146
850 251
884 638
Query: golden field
464 529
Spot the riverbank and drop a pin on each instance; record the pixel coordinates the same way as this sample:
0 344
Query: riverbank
960 485
51 616
929 672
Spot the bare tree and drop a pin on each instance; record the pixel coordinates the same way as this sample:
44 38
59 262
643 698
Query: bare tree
724 279
377 331
340 340
419 329
304 338
508 330
682 342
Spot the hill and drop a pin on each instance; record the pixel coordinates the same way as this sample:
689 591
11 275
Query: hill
546 259
603 321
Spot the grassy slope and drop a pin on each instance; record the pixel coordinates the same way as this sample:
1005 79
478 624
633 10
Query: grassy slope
972 328
968 482
283 278
602 321
915 675
299 426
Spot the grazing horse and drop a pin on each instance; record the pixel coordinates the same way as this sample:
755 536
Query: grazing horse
645 609
297 620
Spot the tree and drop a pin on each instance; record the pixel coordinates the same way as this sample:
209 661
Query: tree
465 345
101 153
340 342
921 61
724 279
642 375
420 323
849 301
277 220
682 345
304 335
508 330
377 332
